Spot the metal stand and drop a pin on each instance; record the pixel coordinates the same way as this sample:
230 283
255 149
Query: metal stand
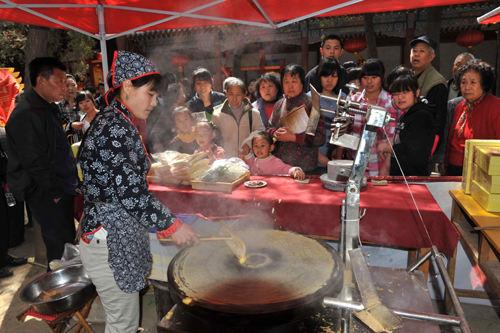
376 117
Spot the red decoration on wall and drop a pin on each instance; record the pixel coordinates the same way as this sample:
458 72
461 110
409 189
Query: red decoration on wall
470 38
355 45
180 60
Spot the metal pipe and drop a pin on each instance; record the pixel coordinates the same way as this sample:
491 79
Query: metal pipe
451 291
429 317
342 231
416 264
102 39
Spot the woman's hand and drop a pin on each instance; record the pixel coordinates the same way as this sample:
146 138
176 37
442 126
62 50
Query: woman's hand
284 134
299 174
77 125
185 235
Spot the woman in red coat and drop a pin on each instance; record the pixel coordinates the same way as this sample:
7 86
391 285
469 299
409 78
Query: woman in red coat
477 117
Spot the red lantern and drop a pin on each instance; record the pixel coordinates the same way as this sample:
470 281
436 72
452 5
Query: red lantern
470 38
180 60
355 45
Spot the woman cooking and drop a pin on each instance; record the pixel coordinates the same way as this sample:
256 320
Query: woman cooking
118 205
477 117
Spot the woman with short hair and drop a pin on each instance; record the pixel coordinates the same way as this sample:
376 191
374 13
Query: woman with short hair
477 117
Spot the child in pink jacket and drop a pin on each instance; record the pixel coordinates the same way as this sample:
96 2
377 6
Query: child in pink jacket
264 163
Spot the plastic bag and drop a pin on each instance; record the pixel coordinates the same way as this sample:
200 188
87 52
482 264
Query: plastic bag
71 256
225 171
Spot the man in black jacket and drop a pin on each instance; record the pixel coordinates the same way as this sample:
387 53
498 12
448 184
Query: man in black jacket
41 165
205 98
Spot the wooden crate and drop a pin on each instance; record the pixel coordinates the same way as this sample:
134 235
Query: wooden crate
219 187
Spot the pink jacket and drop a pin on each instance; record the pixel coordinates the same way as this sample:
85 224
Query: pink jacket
269 166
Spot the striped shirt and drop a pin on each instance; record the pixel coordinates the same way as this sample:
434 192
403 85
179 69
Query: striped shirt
375 162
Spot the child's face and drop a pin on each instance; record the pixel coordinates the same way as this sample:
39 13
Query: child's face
204 136
261 147
183 122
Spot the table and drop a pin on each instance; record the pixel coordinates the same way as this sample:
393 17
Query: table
390 217
482 247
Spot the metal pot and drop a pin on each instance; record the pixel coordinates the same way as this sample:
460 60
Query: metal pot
284 279
58 291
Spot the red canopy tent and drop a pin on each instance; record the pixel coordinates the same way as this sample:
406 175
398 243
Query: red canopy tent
107 19
490 17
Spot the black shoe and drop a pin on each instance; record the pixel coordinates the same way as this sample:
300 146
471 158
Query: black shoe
11 261
4 273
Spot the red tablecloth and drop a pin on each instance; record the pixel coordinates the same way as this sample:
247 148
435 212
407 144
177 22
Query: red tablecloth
391 217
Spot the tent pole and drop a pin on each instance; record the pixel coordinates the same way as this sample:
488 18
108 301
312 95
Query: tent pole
102 39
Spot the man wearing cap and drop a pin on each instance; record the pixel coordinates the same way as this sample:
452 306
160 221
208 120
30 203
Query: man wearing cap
432 84
332 47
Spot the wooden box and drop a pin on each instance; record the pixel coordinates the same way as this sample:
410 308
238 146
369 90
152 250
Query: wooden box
219 187
488 159
489 201
488 182
469 160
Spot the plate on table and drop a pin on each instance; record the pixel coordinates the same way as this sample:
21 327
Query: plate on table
255 183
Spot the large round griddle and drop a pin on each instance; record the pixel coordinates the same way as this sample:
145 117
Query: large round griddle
283 279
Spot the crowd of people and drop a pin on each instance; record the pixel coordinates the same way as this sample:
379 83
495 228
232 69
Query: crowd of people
144 113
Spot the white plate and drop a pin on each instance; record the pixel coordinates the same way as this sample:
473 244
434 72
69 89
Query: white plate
255 183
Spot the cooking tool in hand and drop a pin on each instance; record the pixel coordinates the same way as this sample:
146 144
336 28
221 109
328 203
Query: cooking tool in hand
235 244
376 316
169 239
284 279
58 291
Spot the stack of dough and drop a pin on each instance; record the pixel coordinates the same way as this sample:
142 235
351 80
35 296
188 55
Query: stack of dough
180 168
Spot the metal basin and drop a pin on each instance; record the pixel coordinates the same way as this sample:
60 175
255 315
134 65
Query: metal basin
58 291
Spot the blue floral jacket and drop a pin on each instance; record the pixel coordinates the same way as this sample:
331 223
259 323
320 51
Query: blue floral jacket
115 164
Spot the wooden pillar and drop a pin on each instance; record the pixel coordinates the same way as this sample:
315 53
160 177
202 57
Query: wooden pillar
305 51
36 46
371 38
433 30
410 35
218 60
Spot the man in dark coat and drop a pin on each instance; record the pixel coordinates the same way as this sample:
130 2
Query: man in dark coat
41 165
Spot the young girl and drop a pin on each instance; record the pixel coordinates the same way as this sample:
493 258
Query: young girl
206 133
372 82
185 141
264 163
414 135
327 83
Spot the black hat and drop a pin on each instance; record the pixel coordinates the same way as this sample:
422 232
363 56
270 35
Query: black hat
424 39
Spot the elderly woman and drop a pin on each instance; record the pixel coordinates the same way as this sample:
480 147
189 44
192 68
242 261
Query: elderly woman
119 208
297 149
236 118
477 117
269 91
